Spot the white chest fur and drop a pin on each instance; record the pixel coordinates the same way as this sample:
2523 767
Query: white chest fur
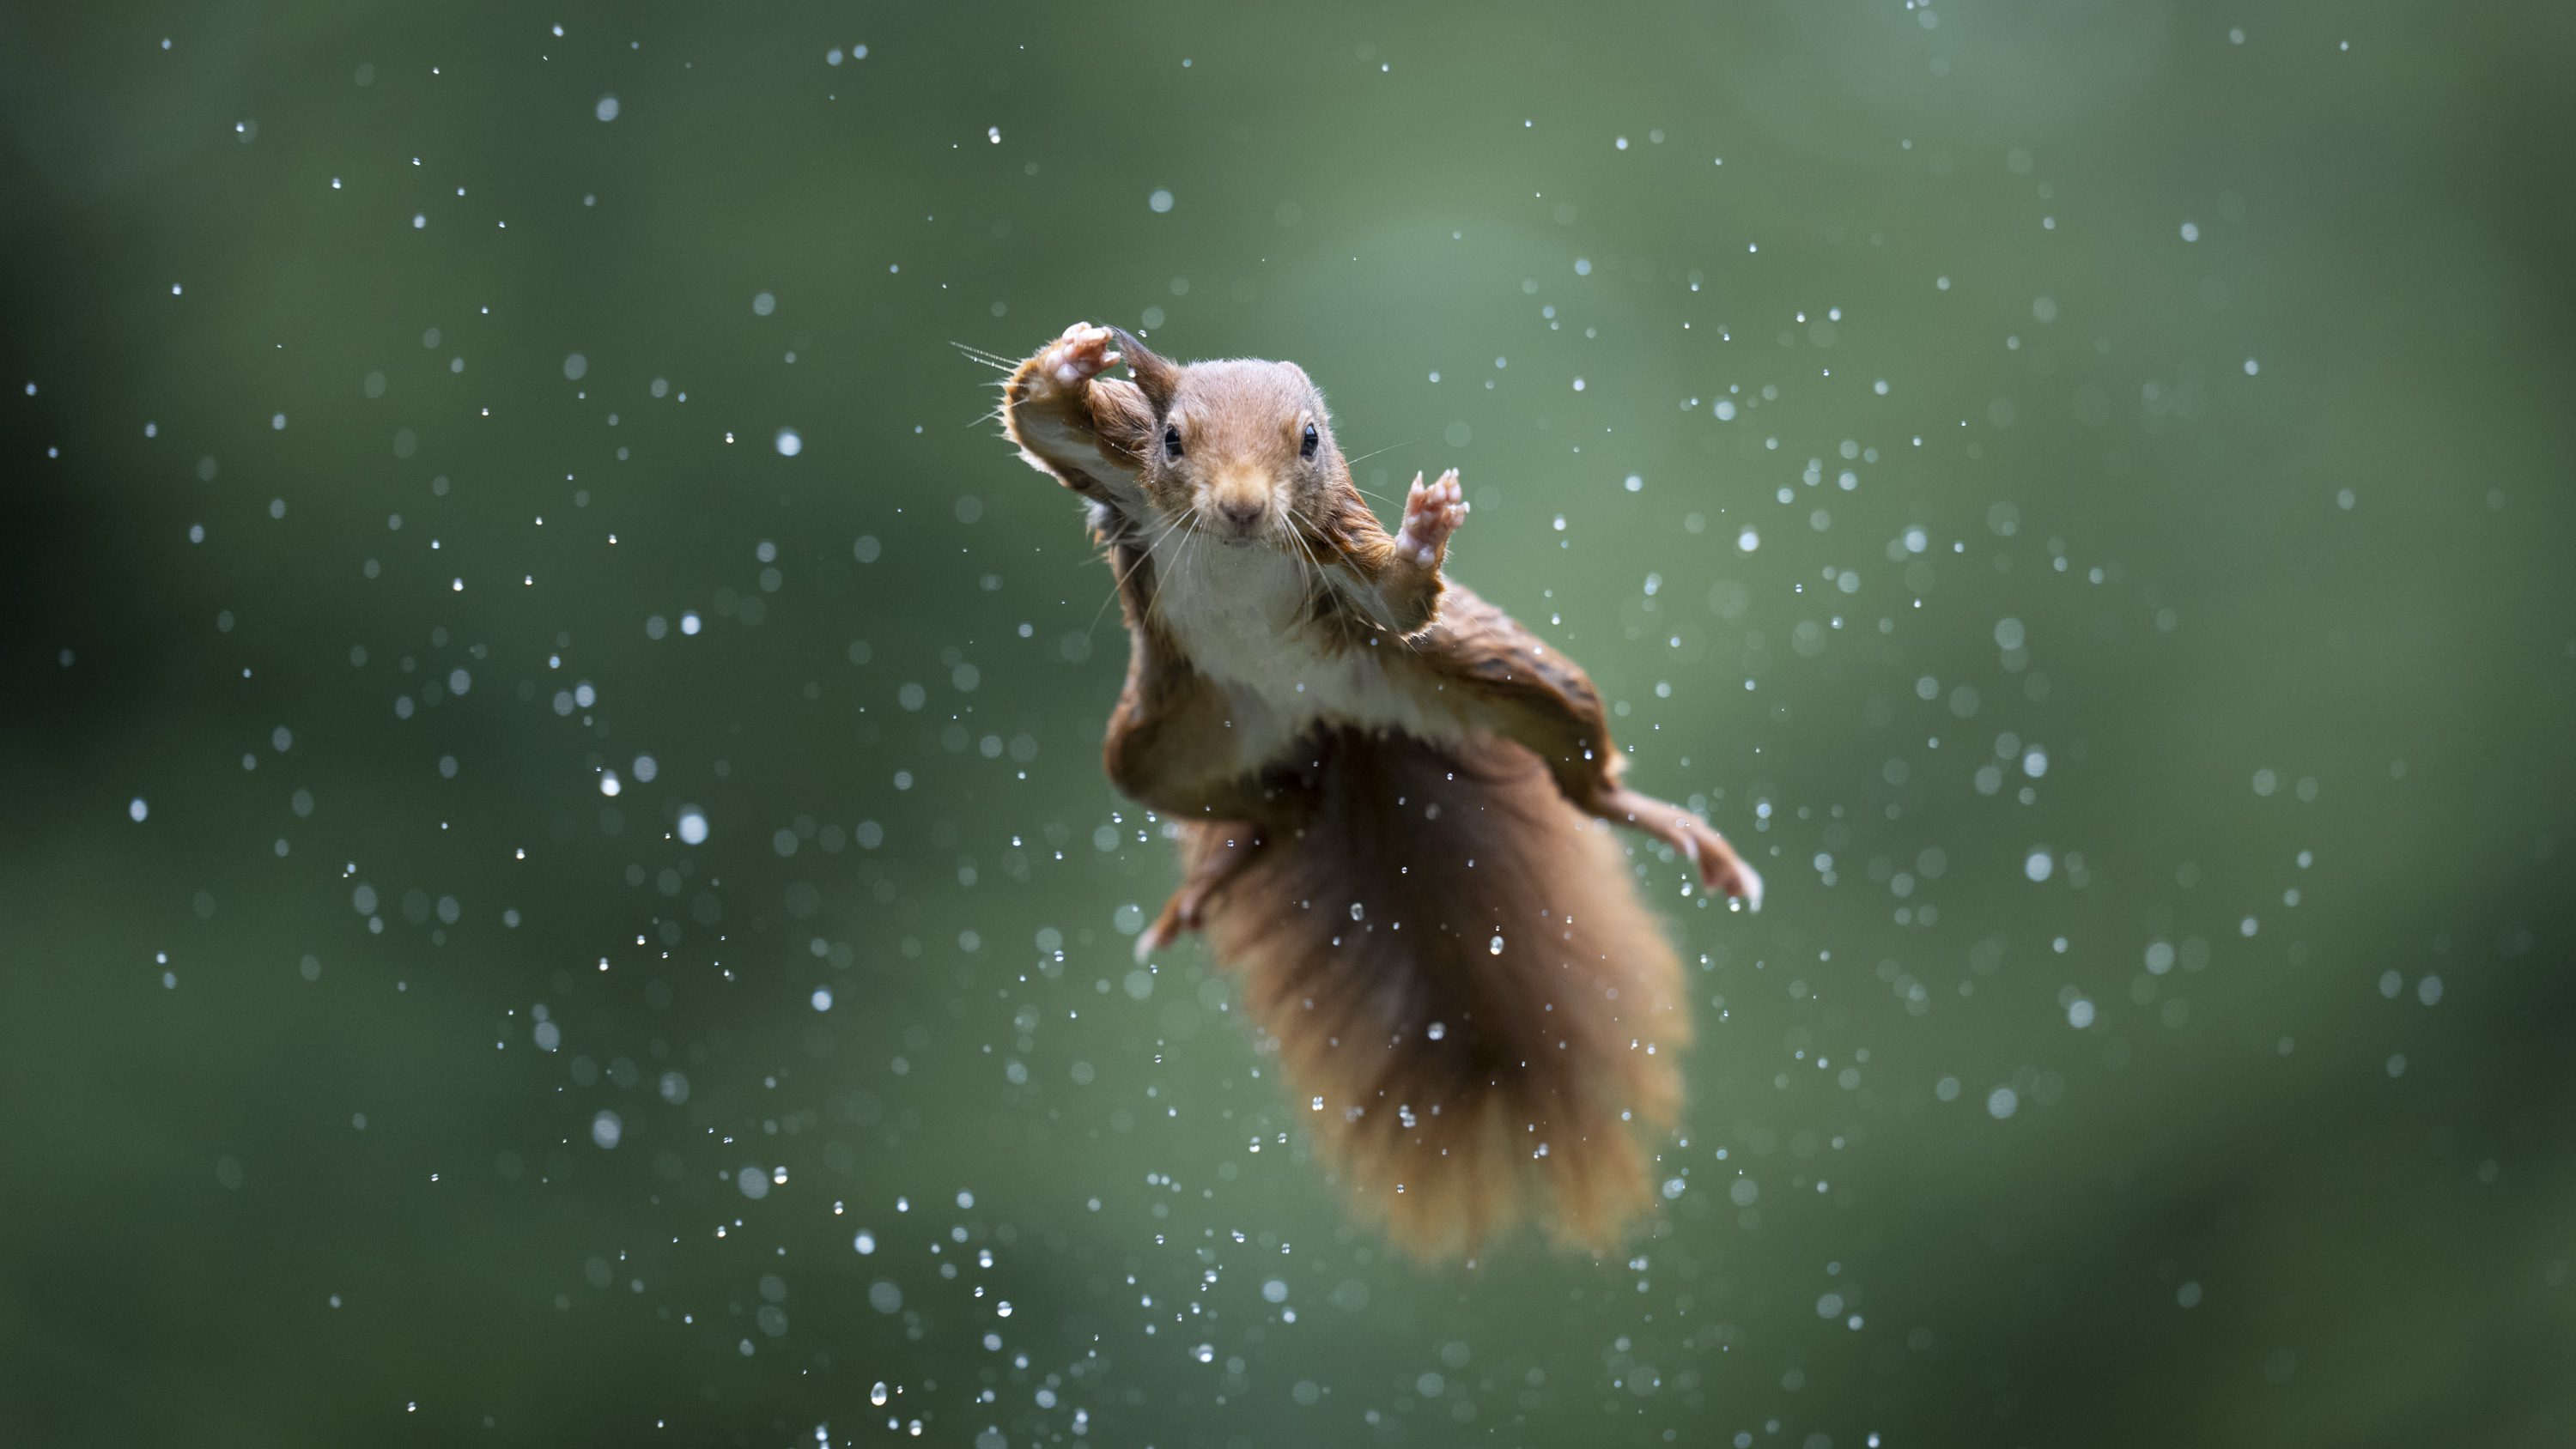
1239 613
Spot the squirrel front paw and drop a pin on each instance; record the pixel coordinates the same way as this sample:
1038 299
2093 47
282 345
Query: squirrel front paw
1432 512
1073 359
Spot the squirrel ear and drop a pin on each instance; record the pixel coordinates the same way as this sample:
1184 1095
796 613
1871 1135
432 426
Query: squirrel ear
1158 376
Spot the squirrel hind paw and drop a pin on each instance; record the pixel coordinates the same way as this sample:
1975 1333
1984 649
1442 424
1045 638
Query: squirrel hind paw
1179 916
1724 871
1719 868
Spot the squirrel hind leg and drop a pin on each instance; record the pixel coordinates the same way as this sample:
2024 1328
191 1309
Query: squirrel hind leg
1719 868
1212 853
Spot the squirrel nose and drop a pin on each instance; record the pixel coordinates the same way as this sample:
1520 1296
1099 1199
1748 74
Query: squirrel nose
1243 510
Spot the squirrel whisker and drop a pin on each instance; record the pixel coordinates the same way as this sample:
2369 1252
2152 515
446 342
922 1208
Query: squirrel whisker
1364 457
1171 527
990 359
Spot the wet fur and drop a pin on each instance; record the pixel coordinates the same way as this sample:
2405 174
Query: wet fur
1553 1053
1443 769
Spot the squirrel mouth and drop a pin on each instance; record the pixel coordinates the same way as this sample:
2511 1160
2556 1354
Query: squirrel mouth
1236 531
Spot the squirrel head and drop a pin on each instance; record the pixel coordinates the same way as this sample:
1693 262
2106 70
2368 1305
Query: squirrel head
1241 451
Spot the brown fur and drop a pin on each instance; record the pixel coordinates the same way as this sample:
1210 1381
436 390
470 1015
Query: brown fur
1552 1053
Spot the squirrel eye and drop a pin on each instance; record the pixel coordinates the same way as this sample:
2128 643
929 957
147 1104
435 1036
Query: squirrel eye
1171 441
1306 446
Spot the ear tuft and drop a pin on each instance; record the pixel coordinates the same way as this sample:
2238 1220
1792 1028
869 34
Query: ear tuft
1158 376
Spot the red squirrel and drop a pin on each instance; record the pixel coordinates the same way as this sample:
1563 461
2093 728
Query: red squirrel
1390 802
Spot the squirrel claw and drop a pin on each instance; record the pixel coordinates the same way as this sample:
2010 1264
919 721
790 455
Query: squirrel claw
1724 871
1179 914
1745 884
1714 861
1719 865
1079 355
1432 512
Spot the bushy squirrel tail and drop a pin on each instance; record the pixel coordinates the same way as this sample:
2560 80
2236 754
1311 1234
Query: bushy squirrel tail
1462 986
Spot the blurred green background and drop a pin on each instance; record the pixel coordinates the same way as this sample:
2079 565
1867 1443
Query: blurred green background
2078 490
